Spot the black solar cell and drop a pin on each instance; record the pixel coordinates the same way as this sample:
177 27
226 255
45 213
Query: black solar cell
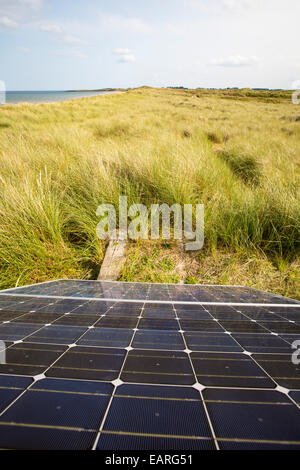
153 339
16 331
258 416
137 411
53 406
262 343
113 441
198 341
229 370
10 388
281 368
29 359
158 367
117 338
91 363
115 321
200 325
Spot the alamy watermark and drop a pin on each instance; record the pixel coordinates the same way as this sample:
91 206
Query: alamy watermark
2 92
2 352
296 354
296 93
188 222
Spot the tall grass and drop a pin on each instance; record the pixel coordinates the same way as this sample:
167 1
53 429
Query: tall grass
245 167
58 162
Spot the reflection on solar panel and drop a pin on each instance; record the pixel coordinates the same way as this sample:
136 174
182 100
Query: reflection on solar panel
143 291
126 366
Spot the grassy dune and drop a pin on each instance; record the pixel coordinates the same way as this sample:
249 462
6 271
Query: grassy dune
236 151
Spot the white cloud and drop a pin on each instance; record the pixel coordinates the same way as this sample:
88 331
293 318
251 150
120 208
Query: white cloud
7 22
15 12
122 51
70 53
238 4
124 24
68 39
235 61
219 6
35 4
23 49
52 28
125 55
60 34
127 58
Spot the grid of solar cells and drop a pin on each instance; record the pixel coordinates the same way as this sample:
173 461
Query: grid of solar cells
116 375
156 292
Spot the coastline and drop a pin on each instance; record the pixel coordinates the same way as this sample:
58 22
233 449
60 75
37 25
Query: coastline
97 93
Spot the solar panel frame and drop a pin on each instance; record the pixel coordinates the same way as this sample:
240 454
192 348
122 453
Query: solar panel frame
133 289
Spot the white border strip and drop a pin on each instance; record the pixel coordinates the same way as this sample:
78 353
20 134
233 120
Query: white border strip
148 301
9 292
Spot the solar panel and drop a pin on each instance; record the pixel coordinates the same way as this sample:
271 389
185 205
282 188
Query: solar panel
137 366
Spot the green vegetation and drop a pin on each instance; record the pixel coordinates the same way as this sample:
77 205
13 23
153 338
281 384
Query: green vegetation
244 166
212 266
236 151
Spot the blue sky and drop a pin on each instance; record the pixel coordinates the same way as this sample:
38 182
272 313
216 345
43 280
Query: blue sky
69 44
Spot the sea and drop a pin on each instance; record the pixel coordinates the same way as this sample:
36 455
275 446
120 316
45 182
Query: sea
13 97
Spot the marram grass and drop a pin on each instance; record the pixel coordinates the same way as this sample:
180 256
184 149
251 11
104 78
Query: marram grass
235 151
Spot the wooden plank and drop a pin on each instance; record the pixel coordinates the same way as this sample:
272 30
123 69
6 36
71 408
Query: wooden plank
113 261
